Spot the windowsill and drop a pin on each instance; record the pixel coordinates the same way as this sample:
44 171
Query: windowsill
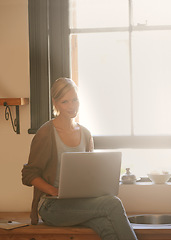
146 184
146 197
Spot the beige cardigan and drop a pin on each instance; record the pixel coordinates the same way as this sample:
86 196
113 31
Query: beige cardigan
43 161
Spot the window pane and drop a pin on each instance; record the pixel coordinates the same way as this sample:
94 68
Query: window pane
152 12
152 82
98 13
104 84
143 161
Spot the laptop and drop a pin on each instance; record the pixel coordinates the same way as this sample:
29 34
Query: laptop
89 174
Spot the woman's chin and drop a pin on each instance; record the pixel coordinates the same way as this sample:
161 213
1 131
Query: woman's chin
72 115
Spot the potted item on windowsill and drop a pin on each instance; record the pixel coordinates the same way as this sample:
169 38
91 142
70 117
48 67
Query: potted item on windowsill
128 177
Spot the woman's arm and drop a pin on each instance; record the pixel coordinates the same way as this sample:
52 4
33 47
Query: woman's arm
44 186
40 156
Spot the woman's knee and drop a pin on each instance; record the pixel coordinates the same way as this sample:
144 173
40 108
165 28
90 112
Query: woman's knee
114 202
117 200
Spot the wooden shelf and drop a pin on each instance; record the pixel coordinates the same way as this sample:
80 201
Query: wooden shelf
14 101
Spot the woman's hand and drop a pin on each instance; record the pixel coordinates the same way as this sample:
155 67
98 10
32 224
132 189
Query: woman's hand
53 191
44 186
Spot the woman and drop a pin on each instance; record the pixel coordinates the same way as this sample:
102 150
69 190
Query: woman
105 214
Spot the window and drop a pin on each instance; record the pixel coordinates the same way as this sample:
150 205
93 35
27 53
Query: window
121 54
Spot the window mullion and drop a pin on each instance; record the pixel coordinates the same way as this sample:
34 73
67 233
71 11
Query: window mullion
130 66
98 30
150 28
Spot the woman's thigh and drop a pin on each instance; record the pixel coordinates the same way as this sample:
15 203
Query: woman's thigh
68 212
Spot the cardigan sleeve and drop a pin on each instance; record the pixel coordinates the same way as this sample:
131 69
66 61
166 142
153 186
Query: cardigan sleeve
40 153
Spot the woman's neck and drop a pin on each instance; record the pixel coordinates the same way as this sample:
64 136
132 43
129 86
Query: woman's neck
65 124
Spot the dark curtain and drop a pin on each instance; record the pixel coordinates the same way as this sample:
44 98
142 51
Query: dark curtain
49 54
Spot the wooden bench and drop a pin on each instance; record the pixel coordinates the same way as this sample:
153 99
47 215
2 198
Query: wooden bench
42 231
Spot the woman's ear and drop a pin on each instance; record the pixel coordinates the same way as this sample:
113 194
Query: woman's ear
55 110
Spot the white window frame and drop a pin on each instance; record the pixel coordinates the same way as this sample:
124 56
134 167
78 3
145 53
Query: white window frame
132 141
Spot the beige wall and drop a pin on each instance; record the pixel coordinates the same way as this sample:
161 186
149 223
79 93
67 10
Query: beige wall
14 82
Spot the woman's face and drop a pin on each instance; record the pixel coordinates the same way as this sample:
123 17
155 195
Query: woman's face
68 105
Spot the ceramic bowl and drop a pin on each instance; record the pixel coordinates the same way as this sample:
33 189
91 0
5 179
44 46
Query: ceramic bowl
159 178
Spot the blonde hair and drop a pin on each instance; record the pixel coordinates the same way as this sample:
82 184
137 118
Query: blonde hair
59 88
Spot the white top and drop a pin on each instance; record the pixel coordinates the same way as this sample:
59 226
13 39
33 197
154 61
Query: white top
61 147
